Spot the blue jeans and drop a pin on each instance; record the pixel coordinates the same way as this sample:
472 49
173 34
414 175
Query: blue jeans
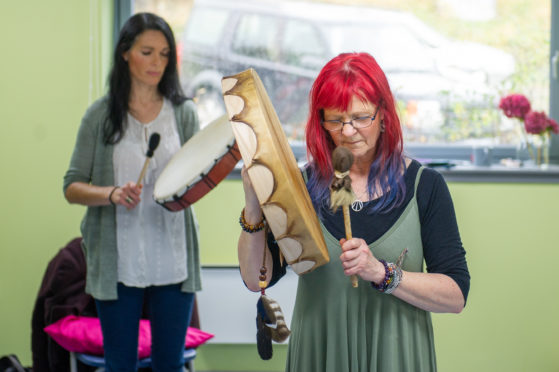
169 312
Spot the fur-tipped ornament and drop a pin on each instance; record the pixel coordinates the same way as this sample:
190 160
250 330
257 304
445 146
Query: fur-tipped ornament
341 193
270 322
270 325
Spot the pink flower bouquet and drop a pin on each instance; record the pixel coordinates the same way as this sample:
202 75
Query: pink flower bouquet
515 106
536 123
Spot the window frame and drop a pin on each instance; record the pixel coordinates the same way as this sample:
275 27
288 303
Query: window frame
123 10
554 80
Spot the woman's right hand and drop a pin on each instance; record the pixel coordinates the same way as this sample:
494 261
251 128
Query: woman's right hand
250 193
127 195
251 198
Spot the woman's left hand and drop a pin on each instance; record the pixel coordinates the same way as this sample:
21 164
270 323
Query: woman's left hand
357 259
430 292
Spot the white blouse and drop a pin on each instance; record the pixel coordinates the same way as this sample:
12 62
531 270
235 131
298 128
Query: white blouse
151 240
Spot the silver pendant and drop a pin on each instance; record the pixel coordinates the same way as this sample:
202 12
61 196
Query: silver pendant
357 205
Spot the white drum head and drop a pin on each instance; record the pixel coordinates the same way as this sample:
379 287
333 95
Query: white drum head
196 157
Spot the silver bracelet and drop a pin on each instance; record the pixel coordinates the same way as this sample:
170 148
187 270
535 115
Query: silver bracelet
396 279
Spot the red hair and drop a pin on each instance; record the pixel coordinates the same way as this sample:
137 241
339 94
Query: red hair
345 76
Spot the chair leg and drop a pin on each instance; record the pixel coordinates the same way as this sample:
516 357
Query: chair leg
73 362
190 365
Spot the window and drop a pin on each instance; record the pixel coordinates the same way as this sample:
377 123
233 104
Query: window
448 63
302 44
199 31
256 36
554 72
394 45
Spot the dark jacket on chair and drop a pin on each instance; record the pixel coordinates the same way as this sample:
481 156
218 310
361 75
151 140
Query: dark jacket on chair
62 293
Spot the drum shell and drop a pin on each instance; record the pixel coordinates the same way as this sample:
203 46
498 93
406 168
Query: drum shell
192 173
274 173
207 182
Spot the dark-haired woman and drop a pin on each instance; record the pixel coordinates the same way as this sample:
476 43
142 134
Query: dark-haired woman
402 216
137 251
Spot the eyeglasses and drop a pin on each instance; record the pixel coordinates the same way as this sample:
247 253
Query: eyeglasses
357 123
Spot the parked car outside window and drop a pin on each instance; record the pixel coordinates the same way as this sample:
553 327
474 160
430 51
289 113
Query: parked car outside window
436 80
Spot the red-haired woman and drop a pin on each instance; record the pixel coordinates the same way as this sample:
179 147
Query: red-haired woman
401 210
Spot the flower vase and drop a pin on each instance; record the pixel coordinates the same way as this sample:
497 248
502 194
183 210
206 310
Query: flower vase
539 149
546 144
523 145
521 150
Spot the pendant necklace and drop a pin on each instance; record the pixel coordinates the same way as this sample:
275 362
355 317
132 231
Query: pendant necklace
357 204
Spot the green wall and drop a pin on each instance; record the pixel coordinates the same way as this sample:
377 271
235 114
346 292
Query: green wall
52 66
55 58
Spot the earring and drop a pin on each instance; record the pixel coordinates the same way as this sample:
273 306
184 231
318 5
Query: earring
382 125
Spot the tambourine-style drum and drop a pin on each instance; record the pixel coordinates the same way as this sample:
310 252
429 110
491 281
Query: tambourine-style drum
201 163
274 173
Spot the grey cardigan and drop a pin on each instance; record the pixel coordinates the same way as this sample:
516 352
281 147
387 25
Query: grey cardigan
92 162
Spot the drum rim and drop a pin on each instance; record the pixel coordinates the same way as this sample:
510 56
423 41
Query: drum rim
161 192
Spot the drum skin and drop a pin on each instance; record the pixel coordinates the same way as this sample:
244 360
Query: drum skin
273 171
201 163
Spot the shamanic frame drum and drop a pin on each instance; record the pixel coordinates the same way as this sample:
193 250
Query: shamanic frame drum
274 173
201 163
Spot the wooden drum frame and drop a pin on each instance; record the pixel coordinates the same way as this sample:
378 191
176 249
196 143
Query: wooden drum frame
273 171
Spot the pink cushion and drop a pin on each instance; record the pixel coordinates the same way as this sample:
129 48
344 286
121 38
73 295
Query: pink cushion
82 334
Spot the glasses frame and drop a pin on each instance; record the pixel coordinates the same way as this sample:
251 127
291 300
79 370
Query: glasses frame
343 123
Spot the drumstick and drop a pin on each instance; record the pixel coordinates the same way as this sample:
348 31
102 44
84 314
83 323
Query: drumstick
152 145
341 194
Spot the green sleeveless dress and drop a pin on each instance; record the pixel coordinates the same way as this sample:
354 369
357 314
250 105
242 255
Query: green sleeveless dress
338 328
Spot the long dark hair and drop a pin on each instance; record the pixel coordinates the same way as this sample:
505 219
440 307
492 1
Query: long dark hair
345 76
119 78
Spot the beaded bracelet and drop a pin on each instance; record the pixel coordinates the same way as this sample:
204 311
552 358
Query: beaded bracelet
382 286
248 227
111 194
393 274
392 278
